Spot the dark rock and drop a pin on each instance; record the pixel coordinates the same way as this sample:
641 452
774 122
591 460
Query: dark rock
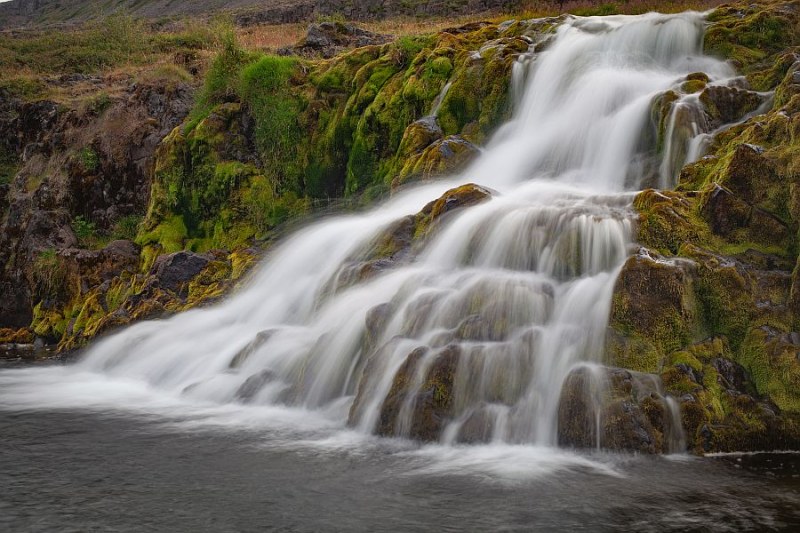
728 104
175 270
477 428
327 39
432 402
732 375
725 212
613 408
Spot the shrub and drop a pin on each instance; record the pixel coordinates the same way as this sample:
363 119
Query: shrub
49 274
85 230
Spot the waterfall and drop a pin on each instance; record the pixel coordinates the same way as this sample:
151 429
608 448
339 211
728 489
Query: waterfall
500 303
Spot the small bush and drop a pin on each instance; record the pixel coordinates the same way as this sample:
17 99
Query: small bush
49 274
89 159
85 230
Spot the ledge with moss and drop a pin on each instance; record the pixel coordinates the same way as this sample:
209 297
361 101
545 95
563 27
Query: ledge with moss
711 301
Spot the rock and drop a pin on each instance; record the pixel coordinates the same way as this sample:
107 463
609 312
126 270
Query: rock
419 135
749 173
614 409
375 321
477 428
90 268
175 270
652 297
728 104
253 385
327 39
442 156
737 220
260 340
464 196
431 402
725 212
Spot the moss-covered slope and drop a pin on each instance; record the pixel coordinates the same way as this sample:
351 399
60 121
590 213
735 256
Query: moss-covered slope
711 303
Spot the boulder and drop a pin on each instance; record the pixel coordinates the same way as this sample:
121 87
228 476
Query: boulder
327 39
174 271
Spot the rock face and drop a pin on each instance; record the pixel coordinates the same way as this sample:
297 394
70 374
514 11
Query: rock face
421 413
282 135
79 171
710 302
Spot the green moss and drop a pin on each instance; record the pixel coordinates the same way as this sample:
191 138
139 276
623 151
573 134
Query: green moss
774 368
169 235
9 164
750 35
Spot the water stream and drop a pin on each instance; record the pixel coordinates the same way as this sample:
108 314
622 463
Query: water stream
512 294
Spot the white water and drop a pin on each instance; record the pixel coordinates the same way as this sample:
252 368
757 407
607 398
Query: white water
520 285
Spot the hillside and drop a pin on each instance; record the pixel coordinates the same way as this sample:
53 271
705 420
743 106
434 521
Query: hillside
17 13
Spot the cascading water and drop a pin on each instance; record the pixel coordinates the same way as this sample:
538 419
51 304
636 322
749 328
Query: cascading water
503 301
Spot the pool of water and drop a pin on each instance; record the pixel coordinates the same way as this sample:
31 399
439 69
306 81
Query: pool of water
167 466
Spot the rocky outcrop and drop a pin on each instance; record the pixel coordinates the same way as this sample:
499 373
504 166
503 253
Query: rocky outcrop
709 304
327 39
82 173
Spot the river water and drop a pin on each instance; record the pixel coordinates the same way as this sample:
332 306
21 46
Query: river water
149 469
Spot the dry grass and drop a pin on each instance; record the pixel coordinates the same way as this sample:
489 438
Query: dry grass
270 37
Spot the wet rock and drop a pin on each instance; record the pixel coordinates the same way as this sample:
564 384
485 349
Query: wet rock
419 135
431 403
728 104
614 409
463 196
477 428
375 322
442 156
262 337
253 385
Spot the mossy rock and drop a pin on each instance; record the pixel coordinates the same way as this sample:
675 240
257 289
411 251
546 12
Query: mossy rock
614 409
432 404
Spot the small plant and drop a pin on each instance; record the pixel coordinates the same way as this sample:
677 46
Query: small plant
126 227
85 230
89 159
99 103
49 274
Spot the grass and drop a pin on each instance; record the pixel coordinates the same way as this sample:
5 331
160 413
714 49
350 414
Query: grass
32 61
123 43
